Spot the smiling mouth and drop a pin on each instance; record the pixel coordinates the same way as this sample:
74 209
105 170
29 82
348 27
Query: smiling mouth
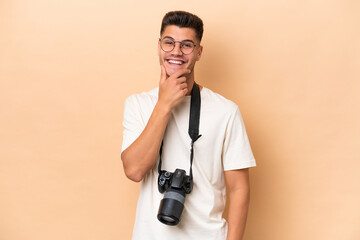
177 62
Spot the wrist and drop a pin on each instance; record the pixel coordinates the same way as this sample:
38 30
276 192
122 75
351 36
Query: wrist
163 108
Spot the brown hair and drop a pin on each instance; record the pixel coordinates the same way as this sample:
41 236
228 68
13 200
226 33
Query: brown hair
183 19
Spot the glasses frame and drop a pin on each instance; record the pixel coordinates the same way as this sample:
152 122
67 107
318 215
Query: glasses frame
181 42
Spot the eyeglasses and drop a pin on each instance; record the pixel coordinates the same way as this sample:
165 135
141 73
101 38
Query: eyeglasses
186 47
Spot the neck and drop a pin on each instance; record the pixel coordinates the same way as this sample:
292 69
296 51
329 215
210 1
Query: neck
190 82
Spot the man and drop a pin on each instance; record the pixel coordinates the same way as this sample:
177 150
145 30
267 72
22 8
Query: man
221 154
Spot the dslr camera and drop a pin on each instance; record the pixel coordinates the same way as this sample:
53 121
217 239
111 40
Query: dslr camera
175 185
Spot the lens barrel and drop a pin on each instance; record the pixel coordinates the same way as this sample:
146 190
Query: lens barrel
171 206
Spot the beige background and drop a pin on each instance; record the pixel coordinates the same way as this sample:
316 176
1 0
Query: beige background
66 68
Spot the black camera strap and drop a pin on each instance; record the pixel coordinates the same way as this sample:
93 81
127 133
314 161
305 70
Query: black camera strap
194 120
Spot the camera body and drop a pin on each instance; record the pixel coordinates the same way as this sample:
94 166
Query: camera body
181 180
175 185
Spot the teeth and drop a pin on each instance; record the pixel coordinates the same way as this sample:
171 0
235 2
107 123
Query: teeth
175 62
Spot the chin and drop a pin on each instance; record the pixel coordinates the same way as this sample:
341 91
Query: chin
171 70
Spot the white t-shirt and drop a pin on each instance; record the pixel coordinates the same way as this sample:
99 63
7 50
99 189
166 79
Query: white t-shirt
223 146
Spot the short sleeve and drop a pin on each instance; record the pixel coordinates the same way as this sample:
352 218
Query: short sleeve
237 153
132 122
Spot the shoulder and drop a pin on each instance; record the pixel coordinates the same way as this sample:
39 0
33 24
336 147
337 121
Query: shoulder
143 97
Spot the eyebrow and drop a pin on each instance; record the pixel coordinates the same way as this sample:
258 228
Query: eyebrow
186 40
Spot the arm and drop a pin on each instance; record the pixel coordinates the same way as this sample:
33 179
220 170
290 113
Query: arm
239 195
141 155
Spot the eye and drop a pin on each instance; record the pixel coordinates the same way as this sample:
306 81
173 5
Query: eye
187 45
168 42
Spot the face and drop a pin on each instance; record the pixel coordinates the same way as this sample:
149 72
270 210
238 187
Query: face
175 59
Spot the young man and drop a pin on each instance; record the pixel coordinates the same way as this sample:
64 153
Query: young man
221 154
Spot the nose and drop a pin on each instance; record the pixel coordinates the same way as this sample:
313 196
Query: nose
177 49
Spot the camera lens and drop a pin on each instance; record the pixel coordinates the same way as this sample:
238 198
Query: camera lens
167 219
171 207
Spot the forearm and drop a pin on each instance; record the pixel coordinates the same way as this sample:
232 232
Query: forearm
238 209
141 155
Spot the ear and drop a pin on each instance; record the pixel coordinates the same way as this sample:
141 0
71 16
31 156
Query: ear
198 56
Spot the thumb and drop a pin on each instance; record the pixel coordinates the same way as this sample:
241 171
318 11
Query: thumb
163 73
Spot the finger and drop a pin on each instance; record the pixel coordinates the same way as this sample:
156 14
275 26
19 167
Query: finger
180 80
163 73
183 85
184 91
